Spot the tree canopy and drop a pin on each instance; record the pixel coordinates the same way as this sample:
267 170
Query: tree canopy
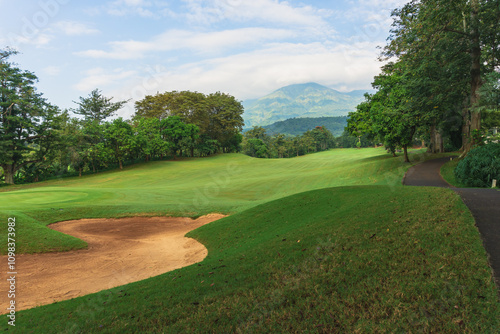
218 116
28 123
97 107
440 54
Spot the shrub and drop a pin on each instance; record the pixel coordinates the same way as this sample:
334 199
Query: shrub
480 166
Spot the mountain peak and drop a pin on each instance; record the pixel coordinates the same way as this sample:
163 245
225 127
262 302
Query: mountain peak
305 88
299 100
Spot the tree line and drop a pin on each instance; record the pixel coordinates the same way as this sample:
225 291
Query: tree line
259 144
441 82
39 141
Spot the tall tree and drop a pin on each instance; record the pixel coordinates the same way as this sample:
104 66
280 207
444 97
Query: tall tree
120 139
28 124
456 29
150 140
97 107
175 130
226 121
218 116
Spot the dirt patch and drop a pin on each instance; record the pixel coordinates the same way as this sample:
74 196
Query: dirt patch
120 251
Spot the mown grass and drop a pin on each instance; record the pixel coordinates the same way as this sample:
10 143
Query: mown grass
358 259
191 187
448 173
366 256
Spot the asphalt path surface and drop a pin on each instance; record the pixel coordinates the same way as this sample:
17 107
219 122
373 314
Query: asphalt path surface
483 203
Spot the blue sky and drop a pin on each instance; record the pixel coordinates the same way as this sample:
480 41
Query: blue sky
246 48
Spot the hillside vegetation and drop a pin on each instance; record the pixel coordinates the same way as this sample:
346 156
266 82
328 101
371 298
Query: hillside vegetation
297 126
301 100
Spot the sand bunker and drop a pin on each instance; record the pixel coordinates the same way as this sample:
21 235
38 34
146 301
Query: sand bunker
120 251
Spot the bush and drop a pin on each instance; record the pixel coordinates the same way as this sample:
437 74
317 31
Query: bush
480 166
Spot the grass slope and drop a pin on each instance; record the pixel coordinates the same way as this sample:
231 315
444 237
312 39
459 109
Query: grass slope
191 187
448 173
366 259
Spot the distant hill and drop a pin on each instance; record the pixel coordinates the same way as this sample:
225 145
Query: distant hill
297 126
301 100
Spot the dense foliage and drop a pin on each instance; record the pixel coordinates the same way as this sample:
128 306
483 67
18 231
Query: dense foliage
28 123
480 166
259 144
218 116
442 78
297 126
38 141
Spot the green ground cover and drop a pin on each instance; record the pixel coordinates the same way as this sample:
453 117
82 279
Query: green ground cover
226 183
329 242
366 259
448 173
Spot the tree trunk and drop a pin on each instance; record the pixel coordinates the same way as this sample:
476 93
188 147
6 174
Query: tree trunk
120 163
432 145
472 117
80 172
405 148
439 142
437 145
9 170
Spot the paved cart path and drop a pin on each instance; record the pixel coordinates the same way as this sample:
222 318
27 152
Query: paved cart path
483 203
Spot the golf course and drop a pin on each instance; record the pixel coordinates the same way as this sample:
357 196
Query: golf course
330 242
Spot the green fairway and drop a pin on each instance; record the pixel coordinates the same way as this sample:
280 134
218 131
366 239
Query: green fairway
191 187
328 242
367 259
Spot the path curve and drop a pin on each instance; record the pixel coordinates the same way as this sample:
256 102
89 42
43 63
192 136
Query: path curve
483 203
120 251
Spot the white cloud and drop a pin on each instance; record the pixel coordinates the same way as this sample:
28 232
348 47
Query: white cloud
99 77
257 73
272 11
52 70
143 8
39 39
205 43
72 28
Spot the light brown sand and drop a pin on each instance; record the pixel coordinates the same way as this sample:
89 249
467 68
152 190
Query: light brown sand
120 251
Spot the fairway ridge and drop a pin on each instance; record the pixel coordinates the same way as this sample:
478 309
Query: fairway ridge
483 203
331 242
120 251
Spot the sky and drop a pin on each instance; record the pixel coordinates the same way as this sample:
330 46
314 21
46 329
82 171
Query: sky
246 48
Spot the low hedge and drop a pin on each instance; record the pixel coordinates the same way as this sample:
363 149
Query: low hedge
480 166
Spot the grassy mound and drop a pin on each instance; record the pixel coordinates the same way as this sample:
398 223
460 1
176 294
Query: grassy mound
348 259
227 183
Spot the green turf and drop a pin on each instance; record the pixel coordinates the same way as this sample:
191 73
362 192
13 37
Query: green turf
296 255
364 259
448 173
191 187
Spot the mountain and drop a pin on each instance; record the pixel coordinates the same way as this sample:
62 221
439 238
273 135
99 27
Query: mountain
301 100
297 126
